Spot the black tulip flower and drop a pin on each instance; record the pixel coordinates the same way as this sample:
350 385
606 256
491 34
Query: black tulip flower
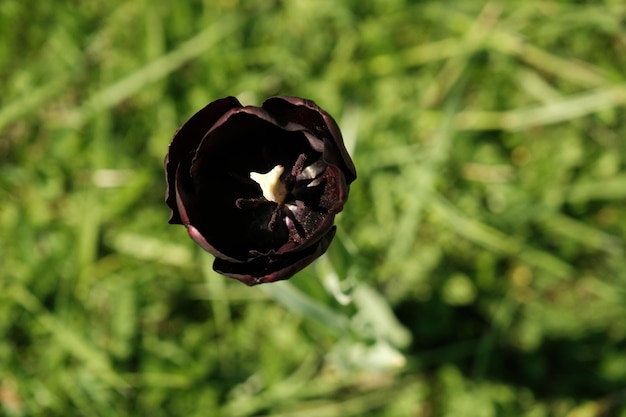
259 187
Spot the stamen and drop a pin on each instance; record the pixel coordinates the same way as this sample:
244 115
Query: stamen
275 217
299 165
249 203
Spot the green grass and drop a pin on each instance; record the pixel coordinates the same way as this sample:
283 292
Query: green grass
480 264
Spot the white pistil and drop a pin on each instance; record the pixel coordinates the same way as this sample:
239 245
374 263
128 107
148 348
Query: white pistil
272 187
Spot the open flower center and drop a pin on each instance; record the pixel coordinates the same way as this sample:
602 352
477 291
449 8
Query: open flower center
287 193
272 187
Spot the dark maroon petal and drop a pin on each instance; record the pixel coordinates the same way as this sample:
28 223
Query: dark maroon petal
185 142
269 269
321 124
337 190
241 117
186 207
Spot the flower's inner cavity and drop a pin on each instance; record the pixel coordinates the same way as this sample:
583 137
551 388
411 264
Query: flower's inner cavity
270 210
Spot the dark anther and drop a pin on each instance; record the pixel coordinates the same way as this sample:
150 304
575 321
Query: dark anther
250 203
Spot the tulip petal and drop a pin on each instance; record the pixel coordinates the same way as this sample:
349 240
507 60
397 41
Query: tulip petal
185 205
186 140
239 122
317 121
267 269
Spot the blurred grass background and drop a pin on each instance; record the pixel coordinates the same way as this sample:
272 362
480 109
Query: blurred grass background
479 268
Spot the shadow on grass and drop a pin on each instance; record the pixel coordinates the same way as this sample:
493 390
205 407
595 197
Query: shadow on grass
576 367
